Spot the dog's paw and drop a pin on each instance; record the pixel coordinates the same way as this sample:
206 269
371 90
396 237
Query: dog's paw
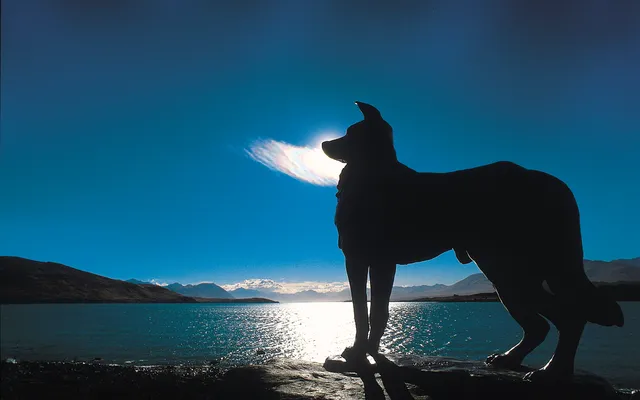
503 360
354 353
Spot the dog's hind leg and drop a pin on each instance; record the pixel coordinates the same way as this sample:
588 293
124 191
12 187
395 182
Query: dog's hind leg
382 277
564 314
535 328
357 271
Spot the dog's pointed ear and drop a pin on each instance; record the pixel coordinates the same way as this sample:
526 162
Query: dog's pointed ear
370 112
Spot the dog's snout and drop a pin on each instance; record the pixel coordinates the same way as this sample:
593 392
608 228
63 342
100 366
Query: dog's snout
328 147
335 149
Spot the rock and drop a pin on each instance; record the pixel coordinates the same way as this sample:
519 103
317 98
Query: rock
404 377
292 379
401 377
448 378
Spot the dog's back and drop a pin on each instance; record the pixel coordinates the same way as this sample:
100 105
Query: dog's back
392 208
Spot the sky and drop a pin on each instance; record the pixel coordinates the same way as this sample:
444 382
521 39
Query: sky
178 140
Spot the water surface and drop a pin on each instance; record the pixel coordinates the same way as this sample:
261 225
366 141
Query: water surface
233 333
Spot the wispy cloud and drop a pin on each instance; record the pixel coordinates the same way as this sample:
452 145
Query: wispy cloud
269 285
307 163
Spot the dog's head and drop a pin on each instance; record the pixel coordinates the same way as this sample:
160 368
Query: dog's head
369 141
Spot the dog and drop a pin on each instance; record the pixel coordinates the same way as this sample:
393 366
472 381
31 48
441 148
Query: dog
520 226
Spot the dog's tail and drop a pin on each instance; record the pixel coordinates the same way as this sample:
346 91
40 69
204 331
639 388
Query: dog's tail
602 309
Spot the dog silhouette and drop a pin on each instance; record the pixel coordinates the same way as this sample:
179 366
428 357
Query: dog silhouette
520 226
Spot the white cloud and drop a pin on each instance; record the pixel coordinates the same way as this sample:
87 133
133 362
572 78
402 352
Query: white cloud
269 285
257 284
308 164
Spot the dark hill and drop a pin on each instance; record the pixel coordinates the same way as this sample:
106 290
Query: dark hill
28 281
210 290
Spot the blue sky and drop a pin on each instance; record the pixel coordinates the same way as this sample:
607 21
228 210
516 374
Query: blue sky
126 125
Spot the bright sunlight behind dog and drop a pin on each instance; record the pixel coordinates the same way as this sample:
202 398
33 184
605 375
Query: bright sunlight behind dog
308 163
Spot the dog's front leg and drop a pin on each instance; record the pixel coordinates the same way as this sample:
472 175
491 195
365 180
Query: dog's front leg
382 276
357 271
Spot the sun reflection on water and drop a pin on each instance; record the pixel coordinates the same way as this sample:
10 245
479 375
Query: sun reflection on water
312 331
237 334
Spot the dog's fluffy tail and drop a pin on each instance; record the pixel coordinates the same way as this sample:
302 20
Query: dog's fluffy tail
603 310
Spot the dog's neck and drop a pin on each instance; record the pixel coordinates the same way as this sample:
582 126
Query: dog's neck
356 175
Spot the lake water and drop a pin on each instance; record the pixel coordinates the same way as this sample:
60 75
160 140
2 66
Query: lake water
232 334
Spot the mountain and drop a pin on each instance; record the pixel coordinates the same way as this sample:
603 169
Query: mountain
634 262
618 271
28 281
201 290
613 271
251 300
210 290
137 282
303 296
242 293
597 271
400 293
476 283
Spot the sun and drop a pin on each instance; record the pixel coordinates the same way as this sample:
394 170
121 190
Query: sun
318 162
306 163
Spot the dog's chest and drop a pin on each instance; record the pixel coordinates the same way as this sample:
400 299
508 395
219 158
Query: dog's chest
382 209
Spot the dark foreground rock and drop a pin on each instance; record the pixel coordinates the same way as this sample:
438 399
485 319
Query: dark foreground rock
404 377
448 378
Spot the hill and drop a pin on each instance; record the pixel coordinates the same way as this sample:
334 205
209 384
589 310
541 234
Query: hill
613 271
210 290
600 272
249 300
616 272
28 281
634 262
242 292
202 290
620 291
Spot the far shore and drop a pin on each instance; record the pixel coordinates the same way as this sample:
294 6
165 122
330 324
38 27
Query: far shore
234 301
252 300
478 297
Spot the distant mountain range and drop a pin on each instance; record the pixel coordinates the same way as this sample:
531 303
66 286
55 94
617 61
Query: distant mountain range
627 270
613 271
202 290
28 281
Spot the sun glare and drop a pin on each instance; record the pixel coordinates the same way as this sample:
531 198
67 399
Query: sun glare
306 163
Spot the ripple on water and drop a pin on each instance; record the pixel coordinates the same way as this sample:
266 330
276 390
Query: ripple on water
240 334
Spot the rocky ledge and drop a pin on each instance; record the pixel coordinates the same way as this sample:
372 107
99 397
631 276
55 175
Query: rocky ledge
402 377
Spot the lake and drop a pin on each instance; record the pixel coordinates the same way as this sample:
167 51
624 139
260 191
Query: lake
233 334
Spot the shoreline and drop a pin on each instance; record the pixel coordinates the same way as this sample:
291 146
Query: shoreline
43 379
251 300
213 366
